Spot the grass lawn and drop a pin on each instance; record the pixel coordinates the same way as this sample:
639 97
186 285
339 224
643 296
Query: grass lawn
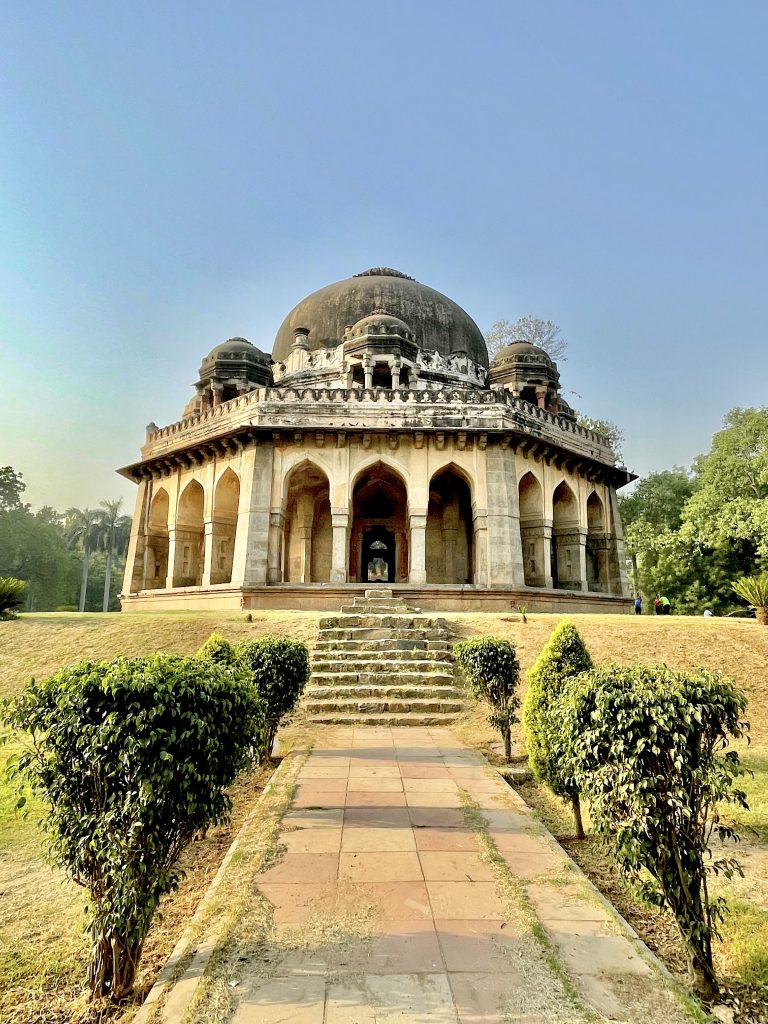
42 951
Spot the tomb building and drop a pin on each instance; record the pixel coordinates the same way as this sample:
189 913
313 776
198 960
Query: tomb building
376 445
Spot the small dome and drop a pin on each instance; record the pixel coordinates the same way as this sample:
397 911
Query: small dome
235 348
516 349
379 322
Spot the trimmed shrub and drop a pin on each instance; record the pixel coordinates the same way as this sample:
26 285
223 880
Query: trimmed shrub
564 656
132 757
219 650
646 747
492 672
11 596
754 590
279 668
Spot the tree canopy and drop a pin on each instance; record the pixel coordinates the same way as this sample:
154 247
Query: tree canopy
691 534
544 333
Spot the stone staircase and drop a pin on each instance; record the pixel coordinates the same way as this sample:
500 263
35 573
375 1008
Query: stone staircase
380 662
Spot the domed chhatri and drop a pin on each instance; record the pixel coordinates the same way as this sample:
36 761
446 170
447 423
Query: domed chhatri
376 445
438 322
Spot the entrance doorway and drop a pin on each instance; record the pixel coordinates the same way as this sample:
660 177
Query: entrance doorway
378 556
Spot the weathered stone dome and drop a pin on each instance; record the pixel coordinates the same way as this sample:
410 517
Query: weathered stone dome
435 320
234 348
525 351
381 323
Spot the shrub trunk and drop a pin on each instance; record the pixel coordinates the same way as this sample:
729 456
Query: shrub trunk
762 616
113 966
576 805
507 732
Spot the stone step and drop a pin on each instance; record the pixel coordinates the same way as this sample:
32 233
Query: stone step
394 705
382 633
383 645
381 620
386 719
382 678
362 662
378 608
354 690
378 592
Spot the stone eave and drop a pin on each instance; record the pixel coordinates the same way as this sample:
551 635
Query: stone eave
521 440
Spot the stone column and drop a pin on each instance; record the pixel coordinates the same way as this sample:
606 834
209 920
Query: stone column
418 570
339 556
207 553
171 556
135 568
395 367
582 557
216 391
275 547
368 371
541 397
505 549
249 556
546 545
480 524
305 533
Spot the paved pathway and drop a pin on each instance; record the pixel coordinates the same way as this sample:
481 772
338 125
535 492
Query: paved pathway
413 887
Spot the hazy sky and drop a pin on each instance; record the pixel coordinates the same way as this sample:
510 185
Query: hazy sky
172 174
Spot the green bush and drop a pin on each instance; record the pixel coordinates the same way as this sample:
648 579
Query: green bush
754 590
492 672
646 746
279 668
11 596
132 757
219 650
564 656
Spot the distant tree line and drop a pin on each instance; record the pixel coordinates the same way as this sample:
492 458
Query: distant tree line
71 560
689 534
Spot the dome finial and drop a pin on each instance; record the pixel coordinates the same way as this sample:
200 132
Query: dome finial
384 272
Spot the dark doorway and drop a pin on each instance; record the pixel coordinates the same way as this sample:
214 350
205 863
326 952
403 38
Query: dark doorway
378 556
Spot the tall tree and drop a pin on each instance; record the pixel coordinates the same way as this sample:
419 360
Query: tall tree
11 489
114 531
544 333
82 531
731 499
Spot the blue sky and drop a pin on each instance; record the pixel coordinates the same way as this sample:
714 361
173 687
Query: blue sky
172 174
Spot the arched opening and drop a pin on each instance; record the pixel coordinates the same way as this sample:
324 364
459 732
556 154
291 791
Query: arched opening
308 529
449 529
156 551
226 499
379 516
190 537
382 375
566 571
534 535
597 552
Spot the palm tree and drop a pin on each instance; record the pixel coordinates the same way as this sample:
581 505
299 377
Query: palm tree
82 532
114 533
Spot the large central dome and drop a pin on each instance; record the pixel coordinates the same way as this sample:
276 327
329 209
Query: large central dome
436 321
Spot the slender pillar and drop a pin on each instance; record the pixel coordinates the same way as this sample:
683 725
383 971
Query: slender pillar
481 548
207 553
171 556
418 571
541 397
582 560
217 390
368 371
305 534
546 544
339 557
275 547
395 367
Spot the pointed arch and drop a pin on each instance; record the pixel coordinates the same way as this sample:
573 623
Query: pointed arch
190 537
226 500
566 539
534 538
156 549
308 533
450 534
379 504
597 546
